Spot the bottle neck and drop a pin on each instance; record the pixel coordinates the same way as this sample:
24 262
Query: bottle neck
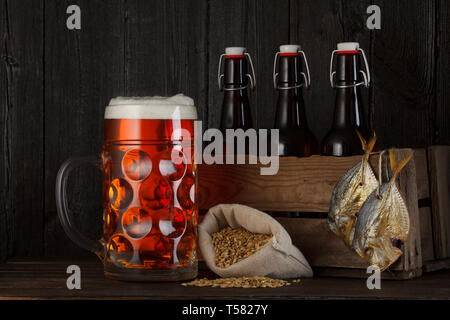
289 70
235 72
290 104
348 111
235 106
347 69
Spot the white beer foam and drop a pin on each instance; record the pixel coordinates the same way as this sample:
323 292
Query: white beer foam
176 107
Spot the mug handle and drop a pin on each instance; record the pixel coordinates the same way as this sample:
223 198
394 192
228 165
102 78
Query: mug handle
62 205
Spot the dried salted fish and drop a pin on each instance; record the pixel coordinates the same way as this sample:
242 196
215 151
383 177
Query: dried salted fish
382 220
350 193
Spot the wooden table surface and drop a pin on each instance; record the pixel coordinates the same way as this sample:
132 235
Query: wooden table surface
46 279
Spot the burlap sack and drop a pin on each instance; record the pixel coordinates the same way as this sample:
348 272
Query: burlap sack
278 258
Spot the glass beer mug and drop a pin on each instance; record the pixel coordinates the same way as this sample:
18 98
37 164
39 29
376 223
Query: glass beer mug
149 190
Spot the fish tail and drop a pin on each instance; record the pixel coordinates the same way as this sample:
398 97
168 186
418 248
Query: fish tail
363 141
398 166
371 143
392 159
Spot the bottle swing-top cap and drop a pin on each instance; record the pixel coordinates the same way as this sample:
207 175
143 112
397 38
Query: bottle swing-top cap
350 48
287 49
291 50
236 53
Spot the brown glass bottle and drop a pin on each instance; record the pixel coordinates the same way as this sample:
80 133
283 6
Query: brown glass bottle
342 139
235 106
295 138
235 82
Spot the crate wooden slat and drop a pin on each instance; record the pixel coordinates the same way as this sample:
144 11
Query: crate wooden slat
426 234
305 185
423 185
319 245
411 259
439 168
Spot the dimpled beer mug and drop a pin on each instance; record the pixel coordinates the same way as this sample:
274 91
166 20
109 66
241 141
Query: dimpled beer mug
149 190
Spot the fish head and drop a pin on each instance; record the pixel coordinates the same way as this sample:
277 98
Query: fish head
347 199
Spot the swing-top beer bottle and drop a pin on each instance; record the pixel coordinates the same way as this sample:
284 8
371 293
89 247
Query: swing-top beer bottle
347 80
235 82
295 138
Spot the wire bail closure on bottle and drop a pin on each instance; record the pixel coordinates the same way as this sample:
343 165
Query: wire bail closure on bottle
366 75
306 77
252 77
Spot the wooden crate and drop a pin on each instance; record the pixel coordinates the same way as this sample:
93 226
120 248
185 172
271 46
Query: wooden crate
304 185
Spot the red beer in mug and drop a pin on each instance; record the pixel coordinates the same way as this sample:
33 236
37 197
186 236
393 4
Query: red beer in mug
149 190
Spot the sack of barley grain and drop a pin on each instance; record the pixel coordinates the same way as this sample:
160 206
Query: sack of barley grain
239 241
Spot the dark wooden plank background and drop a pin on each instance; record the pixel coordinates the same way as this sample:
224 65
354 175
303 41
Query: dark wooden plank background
55 83
22 127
